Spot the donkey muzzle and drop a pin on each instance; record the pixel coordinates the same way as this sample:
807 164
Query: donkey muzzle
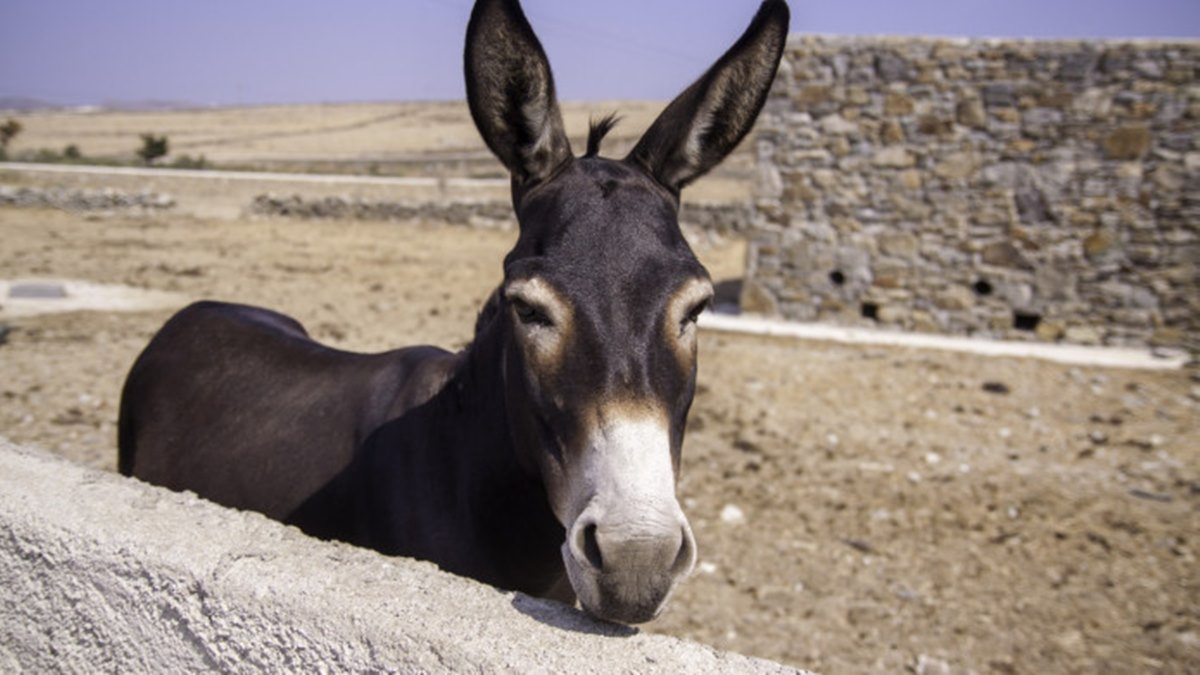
625 565
628 543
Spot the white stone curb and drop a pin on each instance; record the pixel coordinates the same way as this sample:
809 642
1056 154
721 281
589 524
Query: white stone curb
1108 357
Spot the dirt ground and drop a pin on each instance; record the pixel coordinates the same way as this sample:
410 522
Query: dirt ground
403 139
858 509
302 133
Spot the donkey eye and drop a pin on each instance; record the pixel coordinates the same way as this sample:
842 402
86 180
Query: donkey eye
693 315
530 315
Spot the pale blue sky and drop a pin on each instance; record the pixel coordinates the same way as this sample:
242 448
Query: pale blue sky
284 51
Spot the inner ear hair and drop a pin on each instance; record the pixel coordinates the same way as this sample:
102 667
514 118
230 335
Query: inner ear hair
510 91
707 121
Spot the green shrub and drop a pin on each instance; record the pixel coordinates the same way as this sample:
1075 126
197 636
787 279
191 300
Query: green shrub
46 156
152 148
189 162
9 131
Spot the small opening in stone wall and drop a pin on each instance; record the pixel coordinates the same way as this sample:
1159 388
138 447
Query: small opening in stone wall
1026 321
870 311
837 278
983 287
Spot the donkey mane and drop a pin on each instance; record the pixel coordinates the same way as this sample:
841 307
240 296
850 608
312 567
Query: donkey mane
597 130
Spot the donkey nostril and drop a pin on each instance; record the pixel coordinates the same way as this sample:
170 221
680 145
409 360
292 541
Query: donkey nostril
686 556
591 547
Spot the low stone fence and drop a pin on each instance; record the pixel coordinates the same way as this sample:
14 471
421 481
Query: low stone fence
723 219
99 573
475 213
84 200
718 218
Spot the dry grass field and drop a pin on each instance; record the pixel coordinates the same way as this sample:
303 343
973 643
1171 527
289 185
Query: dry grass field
858 509
382 138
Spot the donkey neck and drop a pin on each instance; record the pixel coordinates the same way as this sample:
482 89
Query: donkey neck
503 498
475 406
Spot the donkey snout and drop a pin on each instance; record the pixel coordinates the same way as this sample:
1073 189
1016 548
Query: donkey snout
615 548
625 568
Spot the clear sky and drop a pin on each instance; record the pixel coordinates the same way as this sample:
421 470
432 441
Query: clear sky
285 51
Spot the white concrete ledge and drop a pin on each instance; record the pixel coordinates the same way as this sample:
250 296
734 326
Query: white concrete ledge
1106 357
101 573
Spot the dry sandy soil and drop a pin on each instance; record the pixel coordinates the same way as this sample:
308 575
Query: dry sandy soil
884 508
342 131
401 139
300 133
382 138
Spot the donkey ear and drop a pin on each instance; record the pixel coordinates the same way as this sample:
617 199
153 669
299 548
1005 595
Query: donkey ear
511 91
707 121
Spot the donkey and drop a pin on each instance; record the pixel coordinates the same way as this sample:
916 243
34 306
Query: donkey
543 457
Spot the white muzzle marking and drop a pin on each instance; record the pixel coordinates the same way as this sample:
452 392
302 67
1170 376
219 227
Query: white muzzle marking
628 542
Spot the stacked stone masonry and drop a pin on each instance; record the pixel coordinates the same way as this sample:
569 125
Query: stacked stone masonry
718 219
106 199
1018 189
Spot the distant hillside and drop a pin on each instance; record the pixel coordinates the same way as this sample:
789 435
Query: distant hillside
25 104
150 105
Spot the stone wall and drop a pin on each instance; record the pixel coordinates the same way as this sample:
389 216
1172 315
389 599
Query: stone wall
1019 189
106 199
721 219
482 213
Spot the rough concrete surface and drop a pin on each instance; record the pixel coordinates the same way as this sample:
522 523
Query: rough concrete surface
103 573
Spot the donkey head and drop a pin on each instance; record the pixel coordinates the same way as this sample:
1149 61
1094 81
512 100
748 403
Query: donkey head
600 299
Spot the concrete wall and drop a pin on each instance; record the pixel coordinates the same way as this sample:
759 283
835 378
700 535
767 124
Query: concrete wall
1020 189
99 573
